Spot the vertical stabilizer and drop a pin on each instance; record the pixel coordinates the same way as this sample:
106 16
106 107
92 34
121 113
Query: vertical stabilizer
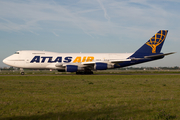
152 46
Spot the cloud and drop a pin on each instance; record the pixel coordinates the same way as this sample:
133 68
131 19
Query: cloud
88 21
85 16
105 11
55 34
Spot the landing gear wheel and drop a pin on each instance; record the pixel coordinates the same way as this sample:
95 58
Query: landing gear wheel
84 72
89 73
22 73
79 73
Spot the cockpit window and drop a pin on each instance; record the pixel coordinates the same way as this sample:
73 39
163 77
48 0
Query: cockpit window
16 53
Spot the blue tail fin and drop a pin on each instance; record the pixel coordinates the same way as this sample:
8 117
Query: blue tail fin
152 46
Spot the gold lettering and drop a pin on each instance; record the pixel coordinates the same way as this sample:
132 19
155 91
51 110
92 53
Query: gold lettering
84 59
90 59
78 59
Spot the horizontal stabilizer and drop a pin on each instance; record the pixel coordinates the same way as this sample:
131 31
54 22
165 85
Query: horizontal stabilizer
159 55
153 56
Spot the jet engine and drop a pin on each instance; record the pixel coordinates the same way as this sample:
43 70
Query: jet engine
103 66
73 68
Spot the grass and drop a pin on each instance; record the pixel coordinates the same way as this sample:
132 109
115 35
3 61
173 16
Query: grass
90 97
113 71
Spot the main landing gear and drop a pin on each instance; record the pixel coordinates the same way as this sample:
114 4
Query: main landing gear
84 72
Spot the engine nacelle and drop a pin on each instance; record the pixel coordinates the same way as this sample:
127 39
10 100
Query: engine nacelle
103 66
59 64
73 68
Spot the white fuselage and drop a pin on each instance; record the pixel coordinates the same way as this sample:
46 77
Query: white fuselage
49 60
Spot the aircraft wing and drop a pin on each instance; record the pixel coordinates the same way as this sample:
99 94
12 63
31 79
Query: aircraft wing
65 64
119 60
110 61
88 63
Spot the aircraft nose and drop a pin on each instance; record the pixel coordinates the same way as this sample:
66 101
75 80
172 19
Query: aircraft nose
5 61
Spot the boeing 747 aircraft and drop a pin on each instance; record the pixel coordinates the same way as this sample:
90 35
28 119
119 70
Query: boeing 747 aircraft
85 63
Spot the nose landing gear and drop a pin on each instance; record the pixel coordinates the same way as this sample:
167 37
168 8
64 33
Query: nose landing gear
21 71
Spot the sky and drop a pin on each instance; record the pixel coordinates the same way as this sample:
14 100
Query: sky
89 26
